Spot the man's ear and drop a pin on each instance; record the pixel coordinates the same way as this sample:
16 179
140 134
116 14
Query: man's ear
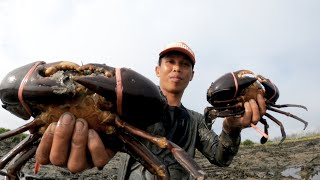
157 70
192 76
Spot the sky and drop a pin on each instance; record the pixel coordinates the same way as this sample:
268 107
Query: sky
277 39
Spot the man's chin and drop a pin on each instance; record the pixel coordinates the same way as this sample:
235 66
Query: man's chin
177 90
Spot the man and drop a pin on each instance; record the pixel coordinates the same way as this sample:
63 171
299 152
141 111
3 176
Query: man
184 127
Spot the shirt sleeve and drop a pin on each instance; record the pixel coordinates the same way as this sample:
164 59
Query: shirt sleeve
219 150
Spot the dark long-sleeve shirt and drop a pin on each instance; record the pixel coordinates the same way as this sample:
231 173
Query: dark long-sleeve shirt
187 129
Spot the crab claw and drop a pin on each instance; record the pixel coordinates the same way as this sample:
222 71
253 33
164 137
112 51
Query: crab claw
10 86
224 90
132 92
30 84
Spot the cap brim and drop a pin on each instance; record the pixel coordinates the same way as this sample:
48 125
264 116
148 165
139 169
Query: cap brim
179 49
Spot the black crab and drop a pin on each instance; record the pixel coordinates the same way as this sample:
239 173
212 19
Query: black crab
117 102
229 92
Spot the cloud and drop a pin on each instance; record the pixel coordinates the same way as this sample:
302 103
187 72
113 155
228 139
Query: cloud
278 39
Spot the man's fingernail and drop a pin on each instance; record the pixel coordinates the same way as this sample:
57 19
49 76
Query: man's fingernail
79 125
66 118
91 133
246 106
259 96
52 127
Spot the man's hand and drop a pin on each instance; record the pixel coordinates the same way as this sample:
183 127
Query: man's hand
254 110
65 144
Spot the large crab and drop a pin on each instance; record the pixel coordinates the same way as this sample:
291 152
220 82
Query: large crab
117 102
228 94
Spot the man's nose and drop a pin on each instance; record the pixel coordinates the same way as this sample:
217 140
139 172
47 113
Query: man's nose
176 68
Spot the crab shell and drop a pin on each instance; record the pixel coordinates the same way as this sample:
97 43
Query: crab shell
228 94
141 102
118 103
227 89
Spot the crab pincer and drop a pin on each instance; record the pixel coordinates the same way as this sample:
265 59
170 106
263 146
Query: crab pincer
228 94
118 103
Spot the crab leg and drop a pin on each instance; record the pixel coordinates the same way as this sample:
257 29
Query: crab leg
18 148
19 160
24 128
280 124
7 174
180 155
288 105
144 155
288 114
227 113
266 127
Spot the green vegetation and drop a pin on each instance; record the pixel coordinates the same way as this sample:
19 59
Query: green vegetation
16 138
290 138
2 130
247 142
296 137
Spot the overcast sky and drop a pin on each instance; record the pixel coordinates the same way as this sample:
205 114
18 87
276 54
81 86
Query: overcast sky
278 39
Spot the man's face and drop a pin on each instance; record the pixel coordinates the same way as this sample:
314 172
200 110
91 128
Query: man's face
175 72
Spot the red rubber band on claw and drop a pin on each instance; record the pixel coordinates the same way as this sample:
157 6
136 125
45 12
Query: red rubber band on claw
119 90
259 131
22 85
235 84
275 93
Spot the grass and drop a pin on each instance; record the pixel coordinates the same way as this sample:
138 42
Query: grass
290 138
16 138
